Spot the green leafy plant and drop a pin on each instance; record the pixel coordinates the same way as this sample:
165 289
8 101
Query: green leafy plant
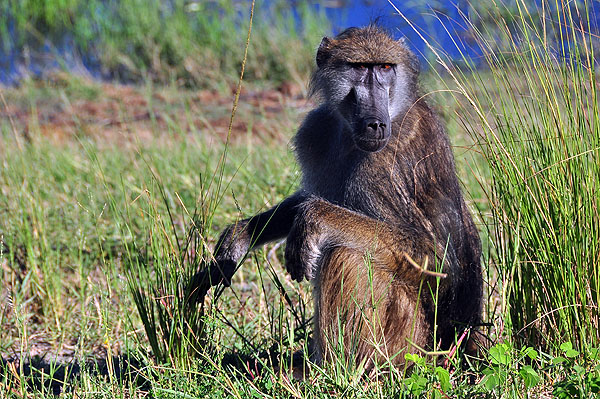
426 379
508 366
581 373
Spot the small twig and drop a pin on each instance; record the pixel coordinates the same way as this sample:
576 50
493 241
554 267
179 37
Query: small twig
425 351
423 268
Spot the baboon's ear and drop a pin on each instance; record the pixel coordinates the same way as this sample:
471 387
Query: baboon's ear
412 60
415 65
323 51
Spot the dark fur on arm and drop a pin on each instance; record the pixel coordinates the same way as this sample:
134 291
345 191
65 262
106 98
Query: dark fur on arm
240 237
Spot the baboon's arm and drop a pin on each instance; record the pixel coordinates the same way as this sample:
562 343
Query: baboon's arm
321 225
273 224
240 237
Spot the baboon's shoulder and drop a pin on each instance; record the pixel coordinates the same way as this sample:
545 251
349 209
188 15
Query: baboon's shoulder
317 135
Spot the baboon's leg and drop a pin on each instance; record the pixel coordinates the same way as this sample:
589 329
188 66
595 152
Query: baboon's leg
364 313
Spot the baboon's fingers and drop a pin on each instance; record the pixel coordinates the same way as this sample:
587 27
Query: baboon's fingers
197 288
301 254
222 271
216 273
293 262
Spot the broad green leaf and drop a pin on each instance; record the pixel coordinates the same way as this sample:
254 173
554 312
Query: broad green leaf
531 353
490 381
568 350
558 360
530 376
499 354
417 384
444 378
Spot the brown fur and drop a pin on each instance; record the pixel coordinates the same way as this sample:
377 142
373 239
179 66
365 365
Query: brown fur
375 206
362 299
370 45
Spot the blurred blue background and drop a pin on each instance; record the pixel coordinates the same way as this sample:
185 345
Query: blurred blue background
131 39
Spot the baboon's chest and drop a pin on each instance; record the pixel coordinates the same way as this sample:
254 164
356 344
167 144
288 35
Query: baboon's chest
373 188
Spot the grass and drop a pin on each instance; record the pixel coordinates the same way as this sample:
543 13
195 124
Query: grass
537 126
111 196
78 209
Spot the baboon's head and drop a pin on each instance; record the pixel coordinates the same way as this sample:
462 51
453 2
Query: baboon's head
370 78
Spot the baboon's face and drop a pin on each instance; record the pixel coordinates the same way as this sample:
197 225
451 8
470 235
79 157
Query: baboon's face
366 106
369 78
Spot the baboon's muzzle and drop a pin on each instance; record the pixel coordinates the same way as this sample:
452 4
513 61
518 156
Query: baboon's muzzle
374 134
372 126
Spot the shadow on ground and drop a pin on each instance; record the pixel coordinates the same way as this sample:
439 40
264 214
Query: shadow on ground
61 375
38 373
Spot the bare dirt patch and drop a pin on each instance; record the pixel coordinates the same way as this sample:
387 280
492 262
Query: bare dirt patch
64 109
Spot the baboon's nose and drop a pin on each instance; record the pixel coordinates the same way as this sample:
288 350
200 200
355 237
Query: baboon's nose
374 126
374 129
373 134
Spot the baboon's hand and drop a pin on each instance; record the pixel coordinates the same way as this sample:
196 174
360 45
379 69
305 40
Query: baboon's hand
304 244
232 245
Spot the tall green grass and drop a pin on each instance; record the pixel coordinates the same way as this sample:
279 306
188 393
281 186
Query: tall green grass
533 111
165 299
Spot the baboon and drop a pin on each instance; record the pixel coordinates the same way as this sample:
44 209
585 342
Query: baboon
379 224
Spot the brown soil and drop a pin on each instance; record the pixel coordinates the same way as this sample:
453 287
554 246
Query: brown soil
120 114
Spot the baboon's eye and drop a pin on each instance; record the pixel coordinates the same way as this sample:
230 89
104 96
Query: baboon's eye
359 65
386 67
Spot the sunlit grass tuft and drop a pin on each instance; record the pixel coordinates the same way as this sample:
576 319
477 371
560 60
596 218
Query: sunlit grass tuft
533 111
